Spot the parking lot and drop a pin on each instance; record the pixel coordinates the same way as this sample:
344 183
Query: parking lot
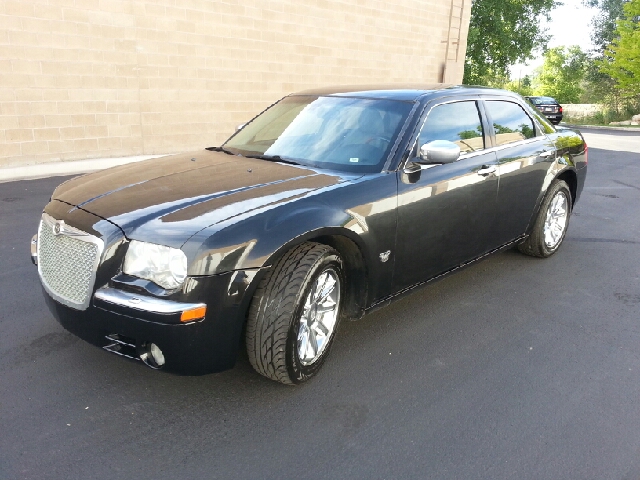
514 368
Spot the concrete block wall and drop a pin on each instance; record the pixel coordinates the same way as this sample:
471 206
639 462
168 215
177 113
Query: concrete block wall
103 78
580 110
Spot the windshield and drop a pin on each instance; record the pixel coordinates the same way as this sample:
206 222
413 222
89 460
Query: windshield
348 134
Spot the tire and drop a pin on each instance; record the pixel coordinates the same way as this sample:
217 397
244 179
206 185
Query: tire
551 223
283 314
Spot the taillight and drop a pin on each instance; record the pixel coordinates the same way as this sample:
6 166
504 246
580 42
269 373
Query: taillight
560 109
586 153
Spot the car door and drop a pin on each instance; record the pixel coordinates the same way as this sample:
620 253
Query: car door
445 211
524 155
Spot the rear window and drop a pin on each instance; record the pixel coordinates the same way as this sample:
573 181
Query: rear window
542 100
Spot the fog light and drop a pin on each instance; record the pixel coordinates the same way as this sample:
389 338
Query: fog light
157 355
153 356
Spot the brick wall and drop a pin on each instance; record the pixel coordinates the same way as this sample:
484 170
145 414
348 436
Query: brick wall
103 78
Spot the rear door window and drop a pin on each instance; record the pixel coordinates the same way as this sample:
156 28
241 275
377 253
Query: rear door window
510 122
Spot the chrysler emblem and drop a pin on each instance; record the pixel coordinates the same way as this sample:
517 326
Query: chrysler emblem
58 227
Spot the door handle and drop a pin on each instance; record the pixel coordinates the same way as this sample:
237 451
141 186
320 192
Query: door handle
487 170
548 153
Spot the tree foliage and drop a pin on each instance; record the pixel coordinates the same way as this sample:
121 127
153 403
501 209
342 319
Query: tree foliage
503 33
604 22
599 86
562 73
622 58
523 86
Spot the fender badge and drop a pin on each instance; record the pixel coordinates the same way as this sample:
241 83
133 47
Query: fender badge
134 300
58 227
384 256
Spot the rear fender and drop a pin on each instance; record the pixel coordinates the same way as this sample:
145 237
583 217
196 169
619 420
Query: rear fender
559 168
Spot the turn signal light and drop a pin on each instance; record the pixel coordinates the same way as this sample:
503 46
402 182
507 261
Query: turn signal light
194 314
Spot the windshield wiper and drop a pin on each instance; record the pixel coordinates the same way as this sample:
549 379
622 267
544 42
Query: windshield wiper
221 149
273 158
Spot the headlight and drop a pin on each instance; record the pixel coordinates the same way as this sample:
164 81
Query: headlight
165 266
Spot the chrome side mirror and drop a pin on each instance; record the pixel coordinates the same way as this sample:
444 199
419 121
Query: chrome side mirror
438 151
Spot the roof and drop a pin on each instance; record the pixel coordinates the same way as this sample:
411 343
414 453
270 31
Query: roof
397 92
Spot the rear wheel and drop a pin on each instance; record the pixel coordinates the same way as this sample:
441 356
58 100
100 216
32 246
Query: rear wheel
551 223
294 314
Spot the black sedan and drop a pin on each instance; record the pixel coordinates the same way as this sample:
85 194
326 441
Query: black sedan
327 205
549 107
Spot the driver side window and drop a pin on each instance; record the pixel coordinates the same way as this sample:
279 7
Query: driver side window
456 122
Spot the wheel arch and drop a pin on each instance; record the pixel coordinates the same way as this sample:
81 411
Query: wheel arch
570 177
352 251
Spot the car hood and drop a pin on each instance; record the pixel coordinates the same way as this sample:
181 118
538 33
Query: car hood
167 200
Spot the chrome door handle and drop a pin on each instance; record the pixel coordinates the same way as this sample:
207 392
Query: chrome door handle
548 153
487 170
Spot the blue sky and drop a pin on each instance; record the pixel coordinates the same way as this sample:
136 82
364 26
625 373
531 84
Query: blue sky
570 25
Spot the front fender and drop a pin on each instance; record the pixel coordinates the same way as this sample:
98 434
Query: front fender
252 244
363 211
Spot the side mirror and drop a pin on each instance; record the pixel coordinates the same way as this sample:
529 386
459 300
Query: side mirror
438 151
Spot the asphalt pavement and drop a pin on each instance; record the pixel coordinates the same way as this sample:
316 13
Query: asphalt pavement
515 368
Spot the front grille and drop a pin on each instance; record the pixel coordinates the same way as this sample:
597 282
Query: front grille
67 262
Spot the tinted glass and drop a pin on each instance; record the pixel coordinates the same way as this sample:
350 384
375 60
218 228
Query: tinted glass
349 134
457 122
542 100
542 120
510 122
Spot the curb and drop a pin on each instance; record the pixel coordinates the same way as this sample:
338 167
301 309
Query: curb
603 127
57 169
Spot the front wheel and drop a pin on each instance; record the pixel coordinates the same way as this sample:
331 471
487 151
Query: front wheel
294 314
551 223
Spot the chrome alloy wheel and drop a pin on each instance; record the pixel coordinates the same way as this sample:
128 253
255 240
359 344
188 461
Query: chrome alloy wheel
319 316
556 221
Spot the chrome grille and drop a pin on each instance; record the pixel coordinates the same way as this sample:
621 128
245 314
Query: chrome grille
67 262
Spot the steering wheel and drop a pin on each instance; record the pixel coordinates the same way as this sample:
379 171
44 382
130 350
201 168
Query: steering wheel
374 138
471 149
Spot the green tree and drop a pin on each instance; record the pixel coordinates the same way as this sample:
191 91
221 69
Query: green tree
598 86
562 73
522 86
604 22
622 58
503 33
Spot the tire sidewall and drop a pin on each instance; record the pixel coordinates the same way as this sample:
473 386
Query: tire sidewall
559 186
298 372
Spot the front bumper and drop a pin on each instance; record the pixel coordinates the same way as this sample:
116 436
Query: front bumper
154 309
200 346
